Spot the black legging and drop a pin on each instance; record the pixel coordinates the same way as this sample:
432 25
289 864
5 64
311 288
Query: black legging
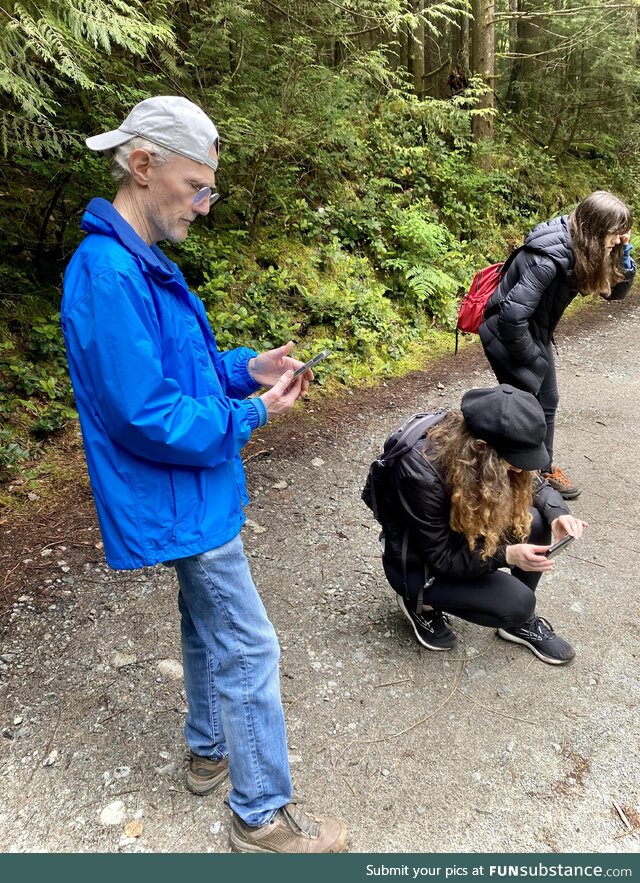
547 396
499 599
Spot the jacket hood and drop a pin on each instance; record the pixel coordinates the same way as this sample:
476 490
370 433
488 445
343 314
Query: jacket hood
554 238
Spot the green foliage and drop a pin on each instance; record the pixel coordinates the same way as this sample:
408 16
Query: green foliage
353 214
50 47
35 392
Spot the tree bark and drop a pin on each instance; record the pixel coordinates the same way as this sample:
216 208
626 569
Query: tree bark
416 51
484 62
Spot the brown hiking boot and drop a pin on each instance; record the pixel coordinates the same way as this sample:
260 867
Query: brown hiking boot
204 774
561 482
290 830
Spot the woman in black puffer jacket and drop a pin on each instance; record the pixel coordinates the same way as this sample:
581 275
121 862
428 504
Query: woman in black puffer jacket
586 252
465 502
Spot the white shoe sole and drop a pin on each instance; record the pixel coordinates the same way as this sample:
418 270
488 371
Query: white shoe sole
506 636
419 637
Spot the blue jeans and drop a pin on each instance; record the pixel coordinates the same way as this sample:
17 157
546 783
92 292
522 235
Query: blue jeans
230 654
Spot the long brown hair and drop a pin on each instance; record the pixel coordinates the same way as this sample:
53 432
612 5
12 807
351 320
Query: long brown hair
489 503
596 216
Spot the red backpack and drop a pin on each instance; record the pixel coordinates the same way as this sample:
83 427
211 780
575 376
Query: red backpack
485 282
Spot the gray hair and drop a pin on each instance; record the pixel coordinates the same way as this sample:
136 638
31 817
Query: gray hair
119 157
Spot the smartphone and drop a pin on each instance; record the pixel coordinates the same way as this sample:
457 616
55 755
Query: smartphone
311 363
559 546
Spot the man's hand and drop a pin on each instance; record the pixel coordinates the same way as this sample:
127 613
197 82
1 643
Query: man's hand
529 557
268 367
567 524
284 394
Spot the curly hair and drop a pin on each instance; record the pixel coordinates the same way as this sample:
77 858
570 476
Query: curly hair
489 502
595 217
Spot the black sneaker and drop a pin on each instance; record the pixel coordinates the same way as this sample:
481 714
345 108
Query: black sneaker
430 628
538 635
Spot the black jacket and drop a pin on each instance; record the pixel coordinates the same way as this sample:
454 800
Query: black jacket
522 314
417 499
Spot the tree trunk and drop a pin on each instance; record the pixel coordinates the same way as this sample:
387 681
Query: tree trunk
525 38
484 62
416 51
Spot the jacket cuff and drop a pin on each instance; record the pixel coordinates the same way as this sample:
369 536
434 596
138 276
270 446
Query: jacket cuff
244 373
257 413
552 512
500 557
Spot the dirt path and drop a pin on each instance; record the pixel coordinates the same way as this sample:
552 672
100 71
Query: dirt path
485 749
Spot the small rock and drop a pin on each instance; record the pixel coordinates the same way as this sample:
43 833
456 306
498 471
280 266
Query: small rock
121 660
113 813
46 552
134 828
51 759
8 657
385 772
280 485
215 828
317 462
166 769
121 772
255 527
17 720
170 668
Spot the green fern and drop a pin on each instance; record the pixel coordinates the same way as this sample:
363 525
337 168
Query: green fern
51 47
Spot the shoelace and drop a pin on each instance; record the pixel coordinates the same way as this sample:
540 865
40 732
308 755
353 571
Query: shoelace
299 821
559 476
541 627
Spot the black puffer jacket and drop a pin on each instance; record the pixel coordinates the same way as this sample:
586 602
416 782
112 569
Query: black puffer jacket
417 499
522 314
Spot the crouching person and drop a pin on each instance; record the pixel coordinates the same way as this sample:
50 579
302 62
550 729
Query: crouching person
463 502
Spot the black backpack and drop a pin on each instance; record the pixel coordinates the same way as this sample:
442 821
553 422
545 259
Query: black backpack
399 443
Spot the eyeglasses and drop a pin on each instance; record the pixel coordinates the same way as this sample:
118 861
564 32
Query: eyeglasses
205 193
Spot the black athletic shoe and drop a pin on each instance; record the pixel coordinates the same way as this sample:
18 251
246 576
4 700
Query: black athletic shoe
430 628
539 636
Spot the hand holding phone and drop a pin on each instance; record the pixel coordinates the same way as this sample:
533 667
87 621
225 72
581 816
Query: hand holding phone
311 363
552 551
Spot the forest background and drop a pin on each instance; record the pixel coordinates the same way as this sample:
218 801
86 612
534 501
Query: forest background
375 154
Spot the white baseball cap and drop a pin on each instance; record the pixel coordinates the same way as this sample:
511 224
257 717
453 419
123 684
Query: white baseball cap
169 121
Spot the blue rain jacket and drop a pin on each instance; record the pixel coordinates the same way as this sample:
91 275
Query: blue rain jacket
163 413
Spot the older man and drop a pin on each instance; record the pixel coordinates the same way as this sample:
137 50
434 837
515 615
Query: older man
164 416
